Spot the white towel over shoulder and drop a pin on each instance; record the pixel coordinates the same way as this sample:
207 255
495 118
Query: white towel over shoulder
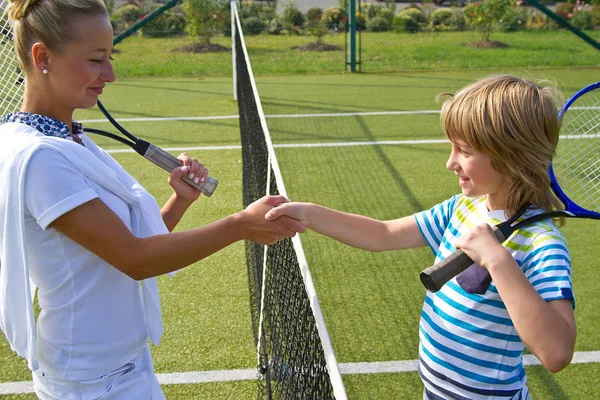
18 142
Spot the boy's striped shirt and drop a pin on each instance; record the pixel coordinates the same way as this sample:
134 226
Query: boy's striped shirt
469 348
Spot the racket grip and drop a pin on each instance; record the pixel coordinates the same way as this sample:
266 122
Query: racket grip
436 276
168 162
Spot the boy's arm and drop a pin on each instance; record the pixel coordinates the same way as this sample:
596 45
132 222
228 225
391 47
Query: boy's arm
546 327
352 229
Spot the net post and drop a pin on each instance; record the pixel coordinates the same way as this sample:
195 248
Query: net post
352 22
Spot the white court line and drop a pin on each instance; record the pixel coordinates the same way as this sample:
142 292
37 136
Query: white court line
382 367
209 118
326 144
334 144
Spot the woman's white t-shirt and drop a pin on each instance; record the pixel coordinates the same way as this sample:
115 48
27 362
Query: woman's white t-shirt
92 317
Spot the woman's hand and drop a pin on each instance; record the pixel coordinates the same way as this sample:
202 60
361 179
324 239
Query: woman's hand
258 229
194 170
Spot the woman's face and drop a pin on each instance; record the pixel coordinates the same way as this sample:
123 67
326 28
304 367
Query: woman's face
77 75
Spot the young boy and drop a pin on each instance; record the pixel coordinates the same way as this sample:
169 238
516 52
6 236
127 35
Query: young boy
504 132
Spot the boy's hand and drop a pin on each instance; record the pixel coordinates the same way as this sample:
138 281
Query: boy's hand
481 245
297 211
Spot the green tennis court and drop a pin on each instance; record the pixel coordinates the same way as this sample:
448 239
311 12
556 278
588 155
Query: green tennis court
362 143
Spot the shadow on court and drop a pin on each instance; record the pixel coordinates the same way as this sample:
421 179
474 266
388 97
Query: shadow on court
412 199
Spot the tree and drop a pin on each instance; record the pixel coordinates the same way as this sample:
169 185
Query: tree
315 27
485 15
204 18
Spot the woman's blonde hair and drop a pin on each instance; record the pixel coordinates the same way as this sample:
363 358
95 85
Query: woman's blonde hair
49 22
515 122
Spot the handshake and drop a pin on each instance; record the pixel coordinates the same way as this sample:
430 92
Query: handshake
271 219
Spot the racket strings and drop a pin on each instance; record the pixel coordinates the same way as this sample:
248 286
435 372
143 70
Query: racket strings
11 79
580 181
577 162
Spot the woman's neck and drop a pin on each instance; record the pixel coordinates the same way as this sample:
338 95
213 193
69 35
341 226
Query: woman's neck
36 104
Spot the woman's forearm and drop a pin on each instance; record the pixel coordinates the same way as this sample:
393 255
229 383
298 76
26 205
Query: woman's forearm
160 254
173 210
97 228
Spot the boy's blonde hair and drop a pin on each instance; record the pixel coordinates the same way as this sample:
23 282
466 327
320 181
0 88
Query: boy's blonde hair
515 122
49 22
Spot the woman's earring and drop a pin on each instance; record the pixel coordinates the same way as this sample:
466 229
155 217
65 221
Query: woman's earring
44 70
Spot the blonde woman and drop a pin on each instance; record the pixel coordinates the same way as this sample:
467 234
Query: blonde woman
80 228
503 131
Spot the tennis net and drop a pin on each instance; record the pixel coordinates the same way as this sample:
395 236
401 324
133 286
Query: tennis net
295 357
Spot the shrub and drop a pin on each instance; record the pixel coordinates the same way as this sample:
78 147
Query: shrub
252 9
110 6
117 26
276 26
583 20
539 21
293 15
248 9
565 10
387 14
128 14
515 19
458 23
371 10
314 14
405 23
254 26
378 24
596 14
415 13
169 23
334 18
361 22
440 19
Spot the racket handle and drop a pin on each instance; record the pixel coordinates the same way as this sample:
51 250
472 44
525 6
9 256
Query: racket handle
436 276
168 162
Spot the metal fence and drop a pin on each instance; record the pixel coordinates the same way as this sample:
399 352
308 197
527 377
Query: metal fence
192 37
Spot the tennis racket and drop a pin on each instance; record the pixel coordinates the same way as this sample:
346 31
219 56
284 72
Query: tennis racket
152 153
11 97
574 175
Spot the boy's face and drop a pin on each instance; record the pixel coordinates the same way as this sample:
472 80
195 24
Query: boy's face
477 176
